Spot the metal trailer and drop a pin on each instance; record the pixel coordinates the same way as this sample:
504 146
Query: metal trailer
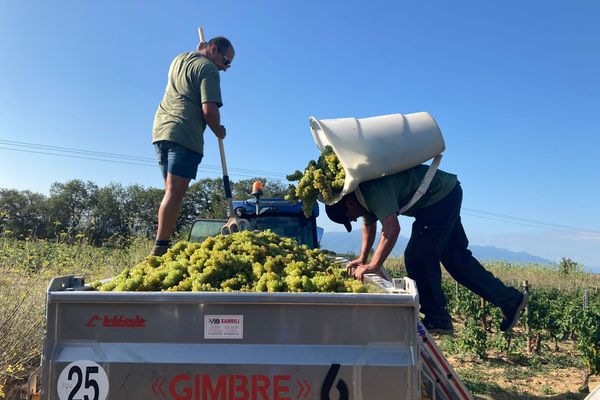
231 346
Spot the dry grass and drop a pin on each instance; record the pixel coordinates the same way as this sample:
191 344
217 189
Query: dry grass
26 267
21 327
537 275
25 271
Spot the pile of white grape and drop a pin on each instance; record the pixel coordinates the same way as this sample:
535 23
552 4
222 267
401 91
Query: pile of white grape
247 261
322 179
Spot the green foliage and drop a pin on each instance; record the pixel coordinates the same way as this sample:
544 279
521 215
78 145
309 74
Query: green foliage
242 190
554 316
588 338
77 209
473 338
568 266
551 314
22 213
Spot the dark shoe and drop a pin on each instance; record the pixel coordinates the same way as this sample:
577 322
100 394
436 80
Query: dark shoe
511 315
439 329
159 250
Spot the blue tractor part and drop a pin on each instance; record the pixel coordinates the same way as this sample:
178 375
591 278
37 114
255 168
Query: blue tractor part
283 217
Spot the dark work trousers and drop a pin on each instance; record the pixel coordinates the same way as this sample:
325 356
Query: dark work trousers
438 235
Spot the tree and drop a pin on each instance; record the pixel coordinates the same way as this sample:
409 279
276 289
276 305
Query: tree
205 199
141 209
23 213
108 218
242 190
71 205
105 213
568 266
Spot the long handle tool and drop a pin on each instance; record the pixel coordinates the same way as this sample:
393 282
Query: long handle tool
235 223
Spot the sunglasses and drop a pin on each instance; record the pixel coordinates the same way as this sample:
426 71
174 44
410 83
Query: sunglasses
226 60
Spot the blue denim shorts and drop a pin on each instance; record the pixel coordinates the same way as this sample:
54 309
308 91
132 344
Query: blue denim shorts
177 160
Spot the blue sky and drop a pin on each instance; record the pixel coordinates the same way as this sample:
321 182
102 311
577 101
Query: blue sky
513 85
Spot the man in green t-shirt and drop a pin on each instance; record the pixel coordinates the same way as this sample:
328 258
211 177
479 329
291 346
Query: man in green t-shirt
437 236
191 102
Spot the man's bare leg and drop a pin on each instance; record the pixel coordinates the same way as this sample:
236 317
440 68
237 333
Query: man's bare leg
168 212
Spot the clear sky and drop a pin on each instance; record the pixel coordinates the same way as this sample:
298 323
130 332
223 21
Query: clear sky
514 86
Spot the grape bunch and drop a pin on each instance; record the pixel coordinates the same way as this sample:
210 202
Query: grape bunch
247 261
322 179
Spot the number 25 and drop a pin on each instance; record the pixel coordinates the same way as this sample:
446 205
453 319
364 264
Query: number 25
75 370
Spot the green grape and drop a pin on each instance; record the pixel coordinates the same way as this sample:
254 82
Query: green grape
175 272
191 248
153 261
234 283
307 284
354 286
275 286
107 287
323 178
325 283
260 286
243 261
184 285
294 283
152 282
133 283
95 285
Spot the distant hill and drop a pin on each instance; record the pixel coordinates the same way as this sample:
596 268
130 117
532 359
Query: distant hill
500 254
342 242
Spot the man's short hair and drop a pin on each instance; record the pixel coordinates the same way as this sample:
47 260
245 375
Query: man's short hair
222 43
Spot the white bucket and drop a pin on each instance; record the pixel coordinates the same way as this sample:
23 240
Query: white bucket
369 148
594 395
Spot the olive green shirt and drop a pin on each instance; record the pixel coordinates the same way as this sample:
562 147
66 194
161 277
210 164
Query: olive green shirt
193 79
387 195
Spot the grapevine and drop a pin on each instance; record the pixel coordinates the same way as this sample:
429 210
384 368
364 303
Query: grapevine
322 179
247 261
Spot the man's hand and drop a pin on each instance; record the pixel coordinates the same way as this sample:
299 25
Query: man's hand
210 112
365 269
221 132
351 266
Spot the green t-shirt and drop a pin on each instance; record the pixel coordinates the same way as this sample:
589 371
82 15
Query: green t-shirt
389 194
193 79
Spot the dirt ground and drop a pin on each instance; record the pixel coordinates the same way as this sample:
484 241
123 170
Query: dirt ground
520 383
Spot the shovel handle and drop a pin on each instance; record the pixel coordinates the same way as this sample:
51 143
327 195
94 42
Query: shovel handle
201 34
234 224
224 168
223 161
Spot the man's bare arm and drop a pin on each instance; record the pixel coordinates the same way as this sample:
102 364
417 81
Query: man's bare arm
368 238
390 231
212 116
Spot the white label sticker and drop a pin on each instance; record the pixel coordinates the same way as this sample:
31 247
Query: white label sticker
223 327
82 379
